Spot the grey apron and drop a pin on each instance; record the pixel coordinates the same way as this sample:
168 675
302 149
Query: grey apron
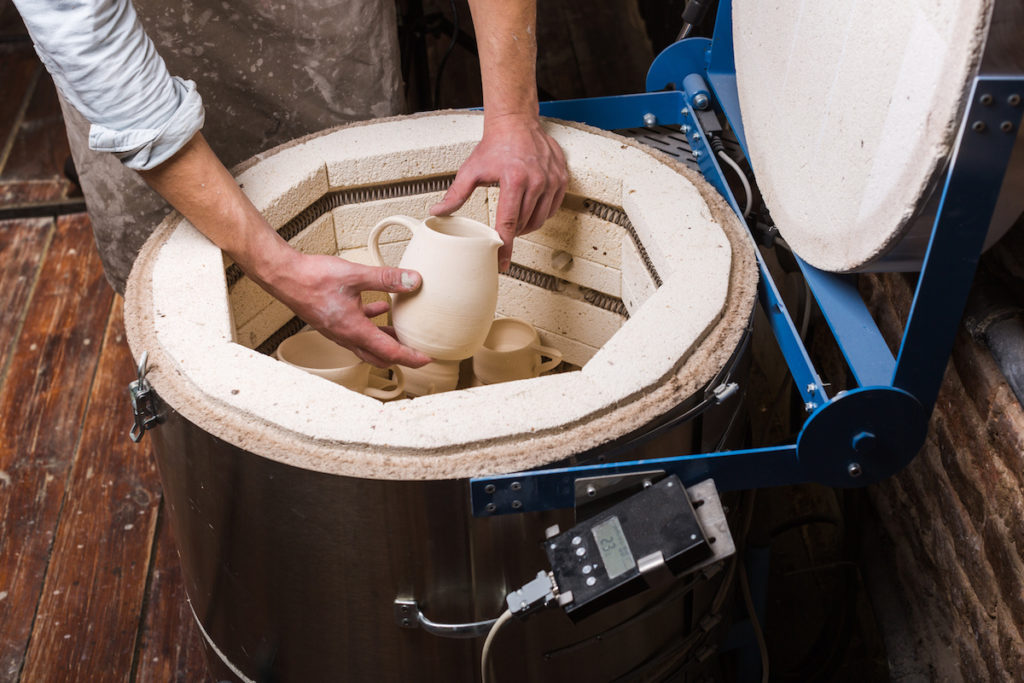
268 72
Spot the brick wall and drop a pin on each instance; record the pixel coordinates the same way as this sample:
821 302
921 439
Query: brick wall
950 528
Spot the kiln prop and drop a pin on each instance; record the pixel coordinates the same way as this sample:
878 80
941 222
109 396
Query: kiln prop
854 437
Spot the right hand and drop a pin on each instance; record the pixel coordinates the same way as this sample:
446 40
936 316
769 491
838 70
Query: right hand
325 291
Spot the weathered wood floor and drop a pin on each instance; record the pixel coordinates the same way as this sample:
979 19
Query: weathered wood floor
90 586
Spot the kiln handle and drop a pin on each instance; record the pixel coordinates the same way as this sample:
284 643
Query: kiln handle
408 615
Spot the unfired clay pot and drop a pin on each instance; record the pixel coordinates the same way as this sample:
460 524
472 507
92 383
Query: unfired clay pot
311 351
432 378
448 317
511 351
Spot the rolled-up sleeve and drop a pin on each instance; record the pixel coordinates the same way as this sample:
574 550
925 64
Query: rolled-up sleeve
106 66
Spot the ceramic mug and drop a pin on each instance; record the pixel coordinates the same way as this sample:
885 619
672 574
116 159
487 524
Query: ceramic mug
511 351
311 351
447 318
432 378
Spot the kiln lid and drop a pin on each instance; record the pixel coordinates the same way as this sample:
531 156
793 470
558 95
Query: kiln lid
850 111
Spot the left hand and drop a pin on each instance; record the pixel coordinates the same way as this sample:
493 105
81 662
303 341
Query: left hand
530 169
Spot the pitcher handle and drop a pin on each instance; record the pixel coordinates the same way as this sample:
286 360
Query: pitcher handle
387 394
554 358
373 241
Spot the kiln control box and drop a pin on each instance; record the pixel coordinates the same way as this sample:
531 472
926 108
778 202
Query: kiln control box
647 540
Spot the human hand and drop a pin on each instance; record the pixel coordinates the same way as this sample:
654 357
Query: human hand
528 165
325 292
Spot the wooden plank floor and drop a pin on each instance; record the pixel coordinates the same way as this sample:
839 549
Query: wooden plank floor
90 586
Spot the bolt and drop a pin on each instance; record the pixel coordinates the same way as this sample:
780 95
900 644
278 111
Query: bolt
685 112
515 486
854 470
650 120
985 99
700 101
1006 126
406 623
591 491
647 483
685 129
490 507
811 388
693 537
405 609
697 154
516 504
695 137
1013 100
978 126
489 488
810 406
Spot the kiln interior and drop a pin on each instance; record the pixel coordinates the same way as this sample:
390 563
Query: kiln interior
644 280
577 280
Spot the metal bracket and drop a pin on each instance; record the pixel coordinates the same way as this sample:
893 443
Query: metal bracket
408 615
144 403
593 489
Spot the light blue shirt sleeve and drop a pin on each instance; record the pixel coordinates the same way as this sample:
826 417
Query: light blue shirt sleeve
106 66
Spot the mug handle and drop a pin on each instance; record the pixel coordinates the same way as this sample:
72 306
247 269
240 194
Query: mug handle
373 241
554 357
387 394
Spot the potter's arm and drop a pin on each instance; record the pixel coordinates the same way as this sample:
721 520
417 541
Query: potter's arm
322 290
107 68
514 151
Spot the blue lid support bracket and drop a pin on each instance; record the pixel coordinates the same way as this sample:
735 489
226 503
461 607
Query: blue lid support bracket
976 171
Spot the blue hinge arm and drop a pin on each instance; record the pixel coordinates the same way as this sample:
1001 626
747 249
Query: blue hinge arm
808 383
976 171
555 489
619 111
855 331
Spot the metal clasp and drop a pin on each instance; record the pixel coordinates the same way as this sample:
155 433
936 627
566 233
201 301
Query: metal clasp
144 407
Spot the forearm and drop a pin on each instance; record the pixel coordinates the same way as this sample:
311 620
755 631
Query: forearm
515 150
197 184
506 40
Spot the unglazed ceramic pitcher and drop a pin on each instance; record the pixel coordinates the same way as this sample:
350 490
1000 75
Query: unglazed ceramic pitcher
448 317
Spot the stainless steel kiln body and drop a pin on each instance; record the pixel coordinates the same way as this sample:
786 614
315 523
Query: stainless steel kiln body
292 575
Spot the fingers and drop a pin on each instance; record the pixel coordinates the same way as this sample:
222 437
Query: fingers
375 308
378 348
465 182
381 278
506 222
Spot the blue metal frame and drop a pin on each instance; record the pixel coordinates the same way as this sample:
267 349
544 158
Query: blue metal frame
856 437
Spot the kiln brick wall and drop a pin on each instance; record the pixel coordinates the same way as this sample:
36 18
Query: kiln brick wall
951 525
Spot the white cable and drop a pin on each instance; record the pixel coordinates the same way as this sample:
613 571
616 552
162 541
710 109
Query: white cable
743 179
748 600
762 646
486 654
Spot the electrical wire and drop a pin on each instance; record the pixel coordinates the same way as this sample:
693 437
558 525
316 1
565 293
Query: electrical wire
743 179
748 600
486 654
762 646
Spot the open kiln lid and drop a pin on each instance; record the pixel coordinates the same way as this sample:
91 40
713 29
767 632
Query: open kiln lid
850 111
677 336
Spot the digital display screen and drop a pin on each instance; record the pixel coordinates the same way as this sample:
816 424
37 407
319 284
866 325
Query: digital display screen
614 549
